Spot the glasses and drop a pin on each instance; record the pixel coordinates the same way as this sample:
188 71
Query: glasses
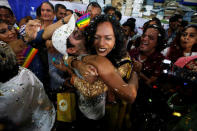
4 31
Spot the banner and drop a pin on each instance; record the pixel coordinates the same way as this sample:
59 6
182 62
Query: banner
22 8
76 7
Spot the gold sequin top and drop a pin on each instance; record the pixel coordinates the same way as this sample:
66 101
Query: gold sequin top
98 87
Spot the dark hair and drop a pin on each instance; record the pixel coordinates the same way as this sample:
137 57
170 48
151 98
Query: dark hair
119 50
108 8
184 23
57 6
49 3
118 14
158 22
130 24
176 50
8 125
194 47
38 11
94 4
161 36
175 18
78 14
131 20
5 7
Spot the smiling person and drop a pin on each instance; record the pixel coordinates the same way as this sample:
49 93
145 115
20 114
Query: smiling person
185 44
104 41
148 54
47 14
94 9
8 35
60 11
7 15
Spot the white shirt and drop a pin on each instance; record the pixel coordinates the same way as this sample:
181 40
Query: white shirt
24 101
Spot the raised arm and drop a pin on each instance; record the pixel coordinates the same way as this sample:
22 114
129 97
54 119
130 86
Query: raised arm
48 31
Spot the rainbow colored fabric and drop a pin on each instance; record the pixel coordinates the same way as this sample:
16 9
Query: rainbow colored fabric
29 54
83 21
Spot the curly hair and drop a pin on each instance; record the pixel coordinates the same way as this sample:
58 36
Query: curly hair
161 44
119 50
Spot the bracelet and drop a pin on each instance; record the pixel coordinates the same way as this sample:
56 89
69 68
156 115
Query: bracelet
65 58
80 57
63 22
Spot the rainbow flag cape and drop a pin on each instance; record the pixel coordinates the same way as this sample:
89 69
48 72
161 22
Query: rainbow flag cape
83 21
29 54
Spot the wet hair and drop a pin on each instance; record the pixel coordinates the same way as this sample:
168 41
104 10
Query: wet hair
160 38
8 64
57 6
94 4
108 8
119 50
5 7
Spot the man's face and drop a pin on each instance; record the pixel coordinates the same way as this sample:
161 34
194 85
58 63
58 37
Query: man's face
6 16
94 11
77 40
47 13
149 41
61 13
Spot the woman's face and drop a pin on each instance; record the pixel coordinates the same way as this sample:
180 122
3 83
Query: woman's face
47 12
149 40
7 33
104 39
189 38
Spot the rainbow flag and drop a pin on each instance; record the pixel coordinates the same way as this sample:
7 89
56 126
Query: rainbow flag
83 21
29 54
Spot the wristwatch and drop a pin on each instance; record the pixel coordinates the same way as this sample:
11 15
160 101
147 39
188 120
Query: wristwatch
63 22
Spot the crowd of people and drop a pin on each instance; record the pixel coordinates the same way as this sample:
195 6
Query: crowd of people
119 79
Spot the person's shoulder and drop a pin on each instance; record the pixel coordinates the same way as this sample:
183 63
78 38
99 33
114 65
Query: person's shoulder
28 76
